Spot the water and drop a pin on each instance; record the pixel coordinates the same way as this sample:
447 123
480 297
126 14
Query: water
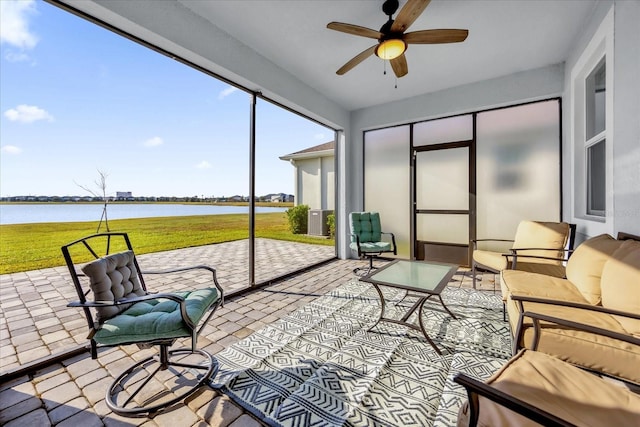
78 212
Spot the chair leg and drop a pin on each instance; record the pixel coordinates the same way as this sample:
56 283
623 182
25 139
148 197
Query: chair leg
504 312
126 394
473 274
359 271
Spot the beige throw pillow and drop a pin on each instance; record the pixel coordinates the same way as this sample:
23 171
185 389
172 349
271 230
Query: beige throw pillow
621 284
584 268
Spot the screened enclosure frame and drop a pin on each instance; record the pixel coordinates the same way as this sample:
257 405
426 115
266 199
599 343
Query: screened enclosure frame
254 96
473 171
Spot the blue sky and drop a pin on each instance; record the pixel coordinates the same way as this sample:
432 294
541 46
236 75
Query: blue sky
77 99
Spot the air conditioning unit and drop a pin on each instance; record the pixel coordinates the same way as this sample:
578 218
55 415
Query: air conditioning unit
317 225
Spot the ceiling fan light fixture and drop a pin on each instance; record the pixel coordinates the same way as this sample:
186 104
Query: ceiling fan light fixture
391 48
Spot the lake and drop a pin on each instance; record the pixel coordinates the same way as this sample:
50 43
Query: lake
28 213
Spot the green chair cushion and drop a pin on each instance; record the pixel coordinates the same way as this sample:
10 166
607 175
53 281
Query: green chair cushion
156 319
372 247
366 225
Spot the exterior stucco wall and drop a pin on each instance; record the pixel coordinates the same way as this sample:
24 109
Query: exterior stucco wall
315 183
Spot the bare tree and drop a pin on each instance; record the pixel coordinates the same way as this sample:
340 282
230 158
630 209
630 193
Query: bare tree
101 184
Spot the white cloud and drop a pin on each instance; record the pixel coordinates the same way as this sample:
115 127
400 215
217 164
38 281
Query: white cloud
226 92
203 165
14 23
153 142
11 149
319 136
27 113
17 57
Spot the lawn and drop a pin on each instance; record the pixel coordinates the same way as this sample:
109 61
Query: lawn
25 247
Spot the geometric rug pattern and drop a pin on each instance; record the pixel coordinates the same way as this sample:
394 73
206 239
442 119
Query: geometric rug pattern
321 365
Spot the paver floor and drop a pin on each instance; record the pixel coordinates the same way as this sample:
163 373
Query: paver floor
71 393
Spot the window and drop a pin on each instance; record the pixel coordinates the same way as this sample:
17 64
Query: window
595 127
596 179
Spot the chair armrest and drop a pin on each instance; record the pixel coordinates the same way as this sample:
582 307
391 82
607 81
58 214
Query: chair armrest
194 267
475 241
173 297
357 241
515 255
176 298
477 388
393 241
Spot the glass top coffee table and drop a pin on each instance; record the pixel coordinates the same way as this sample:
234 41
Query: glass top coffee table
424 278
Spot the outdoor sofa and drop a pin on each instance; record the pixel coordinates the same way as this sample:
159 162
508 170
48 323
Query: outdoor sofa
591 318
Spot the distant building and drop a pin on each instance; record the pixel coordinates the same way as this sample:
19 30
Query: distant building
314 176
123 195
280 198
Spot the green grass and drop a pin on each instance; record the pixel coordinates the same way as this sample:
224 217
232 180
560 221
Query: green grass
25 247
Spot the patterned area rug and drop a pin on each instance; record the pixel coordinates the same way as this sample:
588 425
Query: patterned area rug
321 365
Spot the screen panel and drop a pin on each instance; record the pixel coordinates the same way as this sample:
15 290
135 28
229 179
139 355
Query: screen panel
442 179
458 128
518 168
386 182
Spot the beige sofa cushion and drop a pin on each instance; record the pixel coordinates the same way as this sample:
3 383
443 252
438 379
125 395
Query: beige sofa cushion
584 268
621 284
539 285
593 351
559 388
535 234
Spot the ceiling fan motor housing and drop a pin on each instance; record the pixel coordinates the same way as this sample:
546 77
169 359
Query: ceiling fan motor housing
389 7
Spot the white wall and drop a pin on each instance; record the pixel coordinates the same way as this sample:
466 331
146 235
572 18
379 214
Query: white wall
626 121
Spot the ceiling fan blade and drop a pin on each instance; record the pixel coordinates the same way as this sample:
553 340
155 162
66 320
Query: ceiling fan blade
435 36
357 59
408 14
399 65
356 30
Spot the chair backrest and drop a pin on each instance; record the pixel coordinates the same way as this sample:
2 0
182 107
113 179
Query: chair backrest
366 225
112 278
111 272
537 234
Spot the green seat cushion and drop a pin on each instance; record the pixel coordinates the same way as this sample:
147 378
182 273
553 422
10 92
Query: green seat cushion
372 247
156 319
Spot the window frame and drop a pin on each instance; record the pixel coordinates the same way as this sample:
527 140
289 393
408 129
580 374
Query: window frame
598 50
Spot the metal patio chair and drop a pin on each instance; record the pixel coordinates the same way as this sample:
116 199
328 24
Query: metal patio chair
366 239
120 311
538 247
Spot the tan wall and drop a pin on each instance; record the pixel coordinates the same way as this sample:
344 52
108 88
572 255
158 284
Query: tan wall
315 183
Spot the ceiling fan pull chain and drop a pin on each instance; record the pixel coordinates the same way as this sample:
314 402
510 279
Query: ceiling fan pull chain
384 67
396 87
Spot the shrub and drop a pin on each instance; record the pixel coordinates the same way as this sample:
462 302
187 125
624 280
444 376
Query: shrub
331 223
298 218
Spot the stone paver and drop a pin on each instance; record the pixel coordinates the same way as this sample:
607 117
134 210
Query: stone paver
71 393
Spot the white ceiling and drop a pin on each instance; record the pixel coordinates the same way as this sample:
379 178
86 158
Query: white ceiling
504 37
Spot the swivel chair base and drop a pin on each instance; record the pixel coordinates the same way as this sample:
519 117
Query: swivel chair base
142 390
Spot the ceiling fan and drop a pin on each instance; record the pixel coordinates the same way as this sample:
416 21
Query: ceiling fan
392 40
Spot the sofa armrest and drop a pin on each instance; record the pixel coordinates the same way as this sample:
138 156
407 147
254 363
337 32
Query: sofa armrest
477 388
528 298
537 317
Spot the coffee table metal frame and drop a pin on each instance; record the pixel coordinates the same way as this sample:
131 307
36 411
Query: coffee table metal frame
423 294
